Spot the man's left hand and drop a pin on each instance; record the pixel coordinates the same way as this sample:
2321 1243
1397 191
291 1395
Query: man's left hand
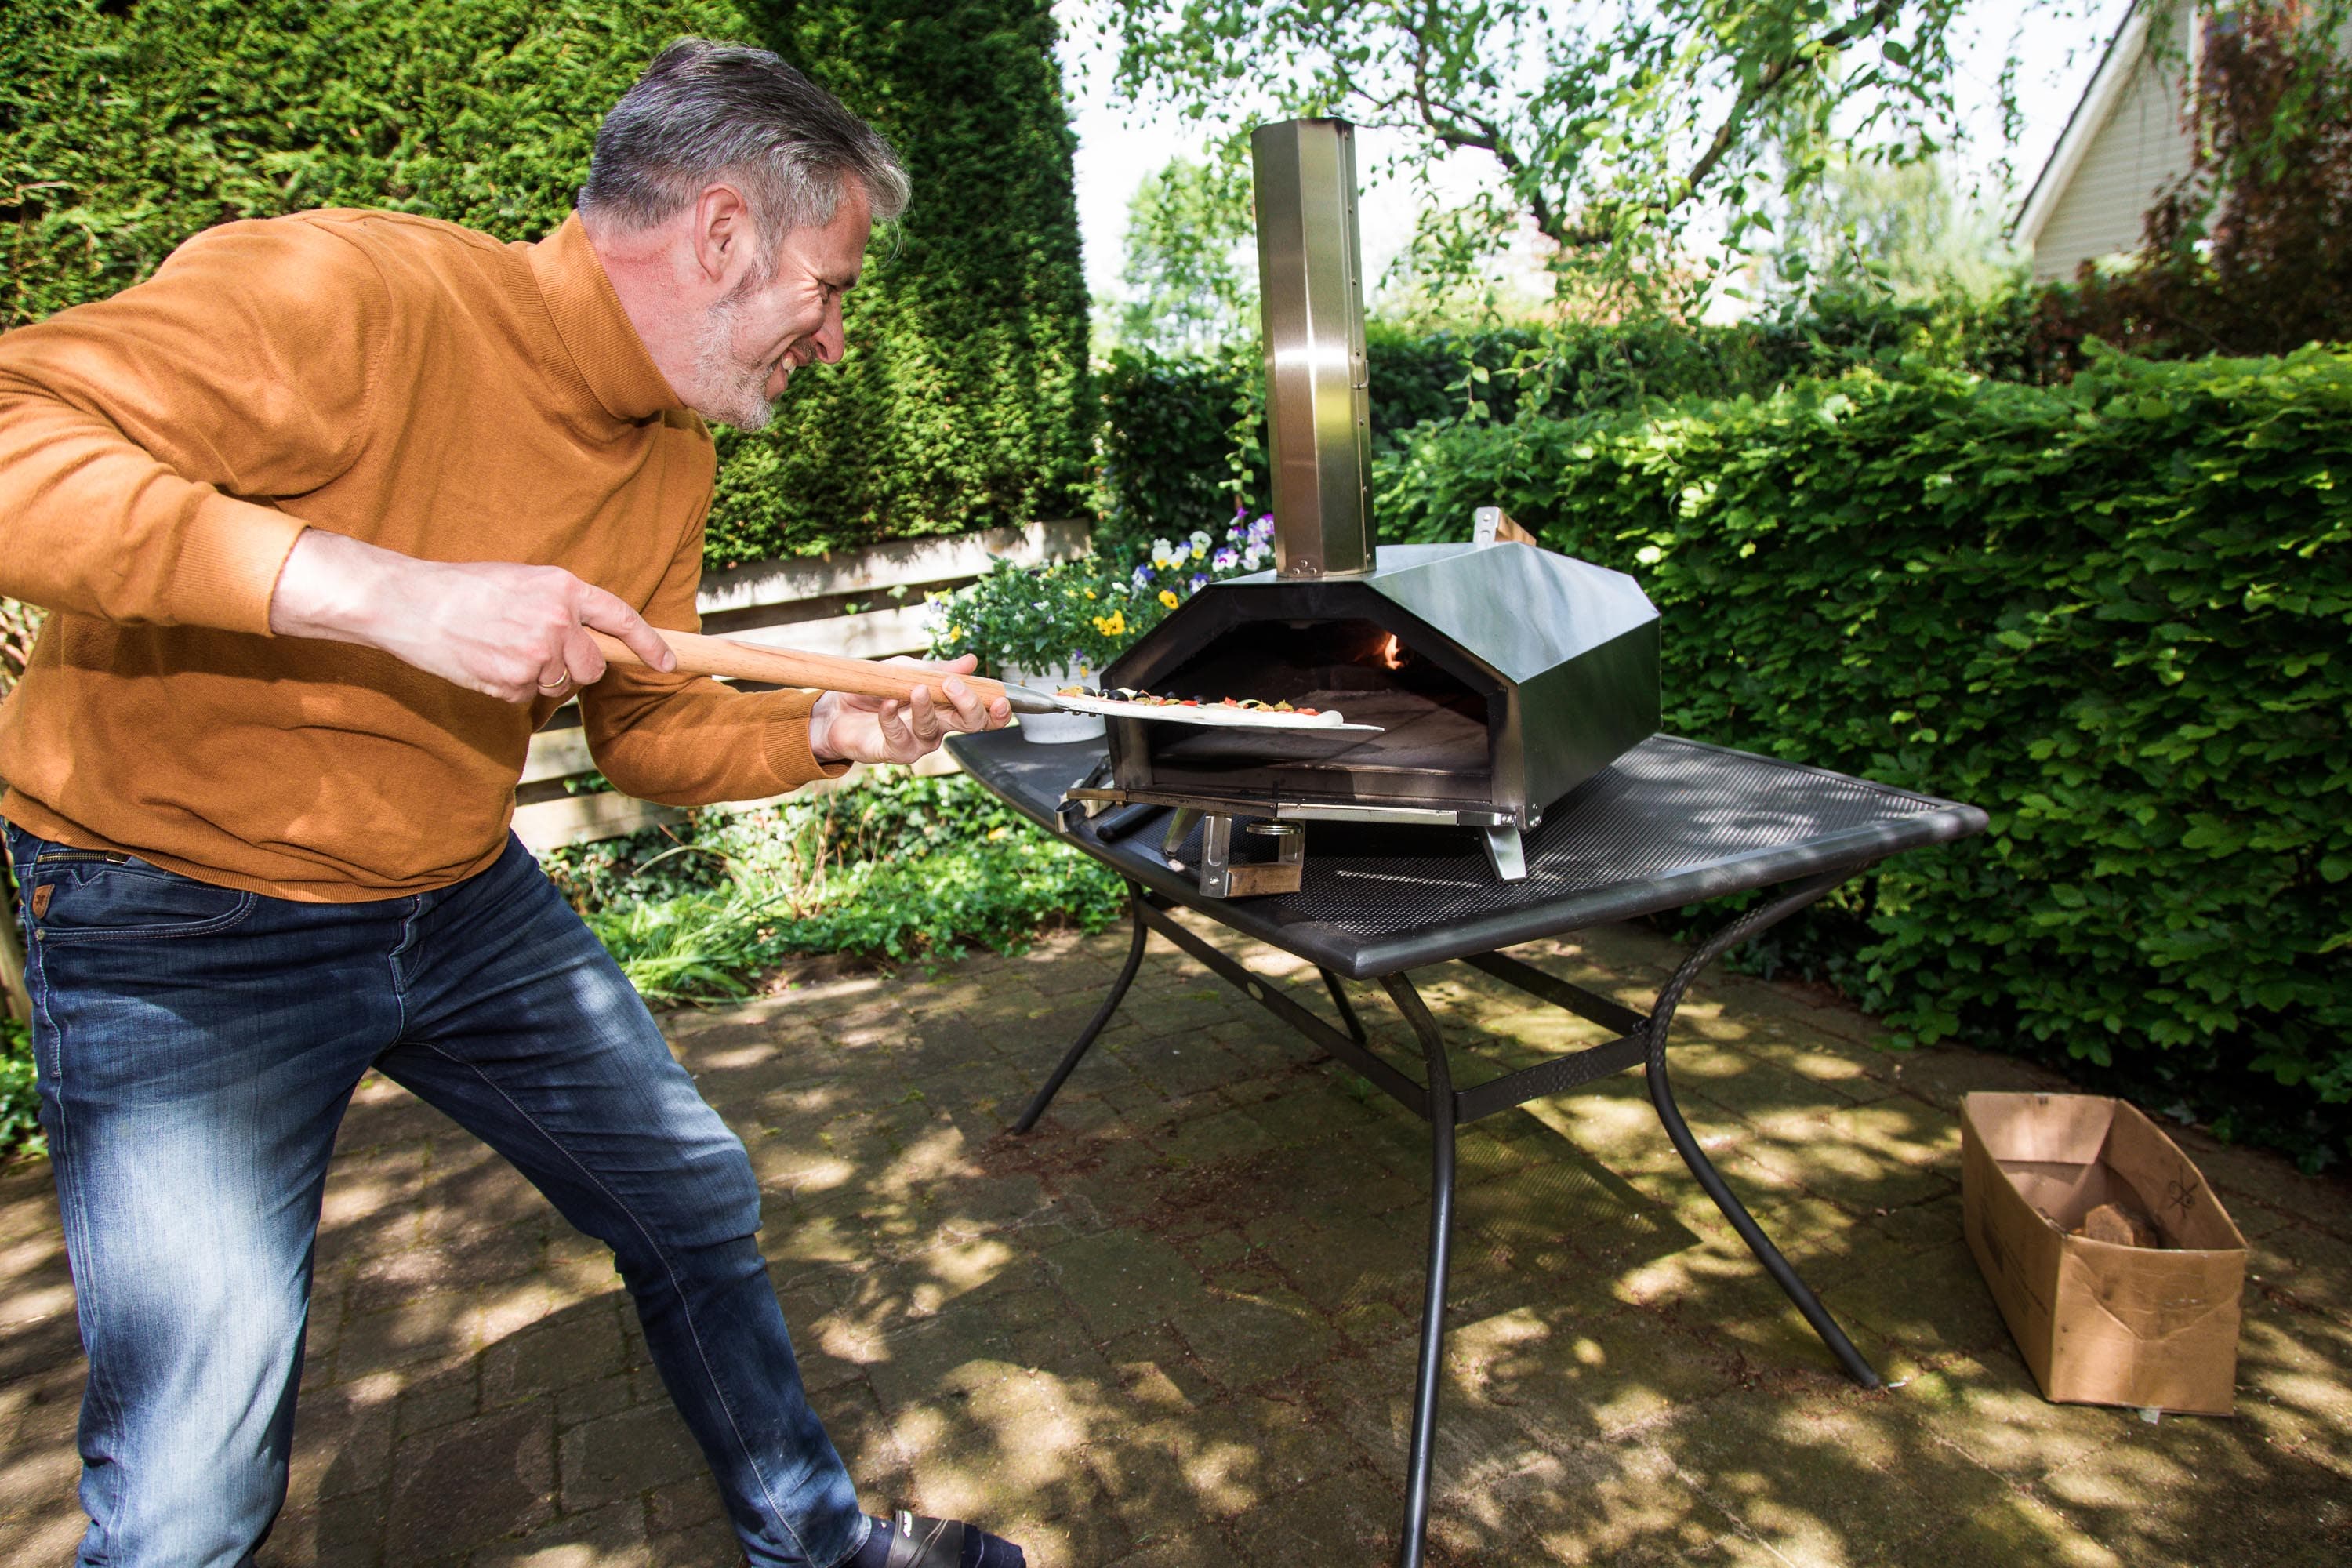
845 728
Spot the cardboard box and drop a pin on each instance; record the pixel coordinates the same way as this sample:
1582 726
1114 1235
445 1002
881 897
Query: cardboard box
2101 1323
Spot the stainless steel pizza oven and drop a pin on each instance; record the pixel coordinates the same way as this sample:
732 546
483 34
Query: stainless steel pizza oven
1502 675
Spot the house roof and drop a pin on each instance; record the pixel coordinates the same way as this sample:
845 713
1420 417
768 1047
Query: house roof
2083 126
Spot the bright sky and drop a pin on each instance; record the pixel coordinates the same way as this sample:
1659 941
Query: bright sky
2058 45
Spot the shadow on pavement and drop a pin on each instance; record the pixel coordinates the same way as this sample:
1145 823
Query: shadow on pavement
1176 1326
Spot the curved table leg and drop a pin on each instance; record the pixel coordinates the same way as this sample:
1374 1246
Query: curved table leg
1078 1048
1423 1452
1347 1019
1662 1017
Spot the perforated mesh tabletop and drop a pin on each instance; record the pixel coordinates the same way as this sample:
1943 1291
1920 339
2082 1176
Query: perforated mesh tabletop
1674 822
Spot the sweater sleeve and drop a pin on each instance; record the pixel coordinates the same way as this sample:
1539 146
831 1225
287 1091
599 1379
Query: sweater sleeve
686 739
133 429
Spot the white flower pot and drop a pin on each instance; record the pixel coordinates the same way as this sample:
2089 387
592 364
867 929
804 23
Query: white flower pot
1056 729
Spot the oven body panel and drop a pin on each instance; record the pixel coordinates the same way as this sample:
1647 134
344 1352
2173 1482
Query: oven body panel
1503 677
1592 709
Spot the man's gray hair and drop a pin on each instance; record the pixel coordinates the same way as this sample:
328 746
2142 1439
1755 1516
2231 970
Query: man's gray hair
705 112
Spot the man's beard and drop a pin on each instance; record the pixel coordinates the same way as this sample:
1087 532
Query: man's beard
733 394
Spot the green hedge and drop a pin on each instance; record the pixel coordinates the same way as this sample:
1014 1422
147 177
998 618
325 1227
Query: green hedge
1183 436
2115 615
1170 430
123 129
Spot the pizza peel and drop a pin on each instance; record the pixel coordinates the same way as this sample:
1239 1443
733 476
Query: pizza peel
699 655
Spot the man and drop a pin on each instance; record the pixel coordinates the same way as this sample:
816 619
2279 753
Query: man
324 513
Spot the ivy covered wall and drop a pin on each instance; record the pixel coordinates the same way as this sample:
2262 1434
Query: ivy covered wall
127 125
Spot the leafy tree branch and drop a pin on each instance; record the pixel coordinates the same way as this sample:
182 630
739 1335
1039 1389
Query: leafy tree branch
1611 121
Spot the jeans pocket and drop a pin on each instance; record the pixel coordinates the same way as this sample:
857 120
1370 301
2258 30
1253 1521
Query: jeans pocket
87 895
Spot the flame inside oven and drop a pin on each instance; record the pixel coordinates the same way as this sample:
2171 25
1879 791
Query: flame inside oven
1391 654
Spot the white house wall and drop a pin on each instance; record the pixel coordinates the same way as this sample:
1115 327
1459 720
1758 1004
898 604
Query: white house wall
2139 150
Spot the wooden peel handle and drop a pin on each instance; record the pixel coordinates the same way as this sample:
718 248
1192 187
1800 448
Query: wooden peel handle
698 655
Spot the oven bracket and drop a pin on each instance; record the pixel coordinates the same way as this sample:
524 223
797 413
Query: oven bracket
1493 525
1094 799
1221 879
1284 821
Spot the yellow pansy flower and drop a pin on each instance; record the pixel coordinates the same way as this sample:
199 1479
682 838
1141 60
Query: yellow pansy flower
1167 598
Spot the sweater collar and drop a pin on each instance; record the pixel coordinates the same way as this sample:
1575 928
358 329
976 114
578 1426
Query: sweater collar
603 344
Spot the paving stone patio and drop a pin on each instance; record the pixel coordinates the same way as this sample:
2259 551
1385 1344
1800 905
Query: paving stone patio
1176 1326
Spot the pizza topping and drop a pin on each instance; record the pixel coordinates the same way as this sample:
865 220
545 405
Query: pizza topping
1147 699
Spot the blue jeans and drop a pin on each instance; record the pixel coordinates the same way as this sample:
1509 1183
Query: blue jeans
196 1047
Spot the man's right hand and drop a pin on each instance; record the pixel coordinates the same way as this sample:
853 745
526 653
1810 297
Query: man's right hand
516 633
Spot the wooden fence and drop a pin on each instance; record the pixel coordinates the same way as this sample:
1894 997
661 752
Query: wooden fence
867 604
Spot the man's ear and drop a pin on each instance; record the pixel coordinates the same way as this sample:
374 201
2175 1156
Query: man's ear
724 241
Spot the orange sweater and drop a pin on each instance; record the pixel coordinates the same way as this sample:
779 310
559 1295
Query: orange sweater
407 382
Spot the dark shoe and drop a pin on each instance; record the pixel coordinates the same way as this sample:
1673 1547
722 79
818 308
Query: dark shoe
919 1543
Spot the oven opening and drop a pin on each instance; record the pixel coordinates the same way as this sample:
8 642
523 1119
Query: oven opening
1434 744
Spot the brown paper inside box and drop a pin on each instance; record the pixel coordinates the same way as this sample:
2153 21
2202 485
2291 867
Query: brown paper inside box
2101 1322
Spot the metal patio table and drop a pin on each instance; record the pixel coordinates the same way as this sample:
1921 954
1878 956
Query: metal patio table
1673 823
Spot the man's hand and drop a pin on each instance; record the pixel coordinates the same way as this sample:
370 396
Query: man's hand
512 632
845 728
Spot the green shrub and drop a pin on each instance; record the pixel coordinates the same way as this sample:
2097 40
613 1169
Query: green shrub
2113 614
650 866
691 947
900 869
963 403
20 1101
995 892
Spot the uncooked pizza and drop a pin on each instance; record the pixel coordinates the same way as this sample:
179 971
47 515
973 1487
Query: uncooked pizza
1239 712
1146 700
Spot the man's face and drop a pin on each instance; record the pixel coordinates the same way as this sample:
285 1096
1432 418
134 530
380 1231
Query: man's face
769 326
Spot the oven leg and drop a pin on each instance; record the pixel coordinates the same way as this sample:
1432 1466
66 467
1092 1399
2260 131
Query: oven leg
1507 852
1662 1017
1078 1048
1347 1019
1422 1453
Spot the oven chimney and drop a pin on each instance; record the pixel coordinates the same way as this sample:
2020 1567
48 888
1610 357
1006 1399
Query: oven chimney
1312 297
